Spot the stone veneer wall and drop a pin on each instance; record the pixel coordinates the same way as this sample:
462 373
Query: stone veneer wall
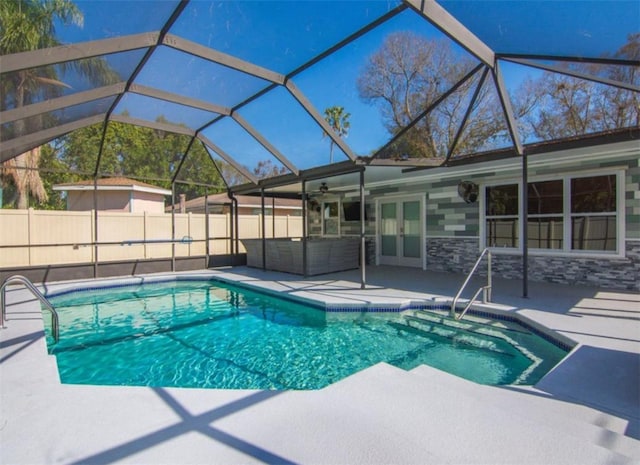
457 255
453 229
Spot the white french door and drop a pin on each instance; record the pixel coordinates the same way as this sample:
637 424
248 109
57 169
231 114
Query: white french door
401 232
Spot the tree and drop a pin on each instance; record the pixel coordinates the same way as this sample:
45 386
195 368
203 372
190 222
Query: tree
338 119
27 25
268 169
563 106
141 153
405 76
54 171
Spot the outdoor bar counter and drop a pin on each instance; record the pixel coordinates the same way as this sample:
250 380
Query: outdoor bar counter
323 255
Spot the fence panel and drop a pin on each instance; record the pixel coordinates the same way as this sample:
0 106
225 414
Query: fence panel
197 233
219 226
121 228
182 244
14 230
48 229
158 228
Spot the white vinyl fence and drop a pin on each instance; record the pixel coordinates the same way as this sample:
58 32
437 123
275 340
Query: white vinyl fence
42 237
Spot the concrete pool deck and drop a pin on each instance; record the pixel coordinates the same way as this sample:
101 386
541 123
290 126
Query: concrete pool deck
586 411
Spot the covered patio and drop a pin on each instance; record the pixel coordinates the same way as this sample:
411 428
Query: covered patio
321 112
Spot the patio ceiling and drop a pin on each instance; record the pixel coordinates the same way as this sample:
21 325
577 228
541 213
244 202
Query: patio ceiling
250 80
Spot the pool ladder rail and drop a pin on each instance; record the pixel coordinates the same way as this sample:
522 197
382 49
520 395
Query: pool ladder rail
19 279
486 290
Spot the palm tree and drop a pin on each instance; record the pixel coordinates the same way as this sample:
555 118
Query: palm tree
339 122
27 25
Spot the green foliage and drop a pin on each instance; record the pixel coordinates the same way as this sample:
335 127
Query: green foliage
141 153
54 171
338 120
27 25
30 24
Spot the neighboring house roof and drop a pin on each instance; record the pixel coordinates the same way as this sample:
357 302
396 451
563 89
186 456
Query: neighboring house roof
243 201
112 184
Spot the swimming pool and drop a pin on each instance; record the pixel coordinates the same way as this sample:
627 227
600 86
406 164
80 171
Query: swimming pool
211 334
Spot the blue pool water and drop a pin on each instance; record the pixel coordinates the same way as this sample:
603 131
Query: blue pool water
210 334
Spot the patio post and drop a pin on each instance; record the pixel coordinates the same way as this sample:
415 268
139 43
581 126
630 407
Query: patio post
95 226
363 245
206 225
236 226
231 237
525 227
173 226
304 228
262 231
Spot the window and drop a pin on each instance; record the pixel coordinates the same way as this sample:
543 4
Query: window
593 213
331 218
545 223
568 214
502 216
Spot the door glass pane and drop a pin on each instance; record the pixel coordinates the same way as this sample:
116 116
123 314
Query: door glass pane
388 229
411 228
331 217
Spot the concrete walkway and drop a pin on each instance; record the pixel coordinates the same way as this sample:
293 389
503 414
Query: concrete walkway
586 411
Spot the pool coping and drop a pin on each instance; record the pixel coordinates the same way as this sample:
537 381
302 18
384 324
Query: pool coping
486 310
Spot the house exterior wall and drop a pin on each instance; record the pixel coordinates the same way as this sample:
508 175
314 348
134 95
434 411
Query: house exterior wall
454 242
246 210
147 202
116 201
107 201
453 228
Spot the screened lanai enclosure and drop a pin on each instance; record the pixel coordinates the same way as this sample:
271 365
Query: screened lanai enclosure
427 130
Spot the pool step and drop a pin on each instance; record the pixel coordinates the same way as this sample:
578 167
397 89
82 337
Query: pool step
597 427
460 335
470 321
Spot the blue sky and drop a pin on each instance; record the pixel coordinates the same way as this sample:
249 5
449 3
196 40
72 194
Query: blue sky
283 35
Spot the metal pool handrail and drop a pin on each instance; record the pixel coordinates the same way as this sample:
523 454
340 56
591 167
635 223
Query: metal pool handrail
39 295
487 289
